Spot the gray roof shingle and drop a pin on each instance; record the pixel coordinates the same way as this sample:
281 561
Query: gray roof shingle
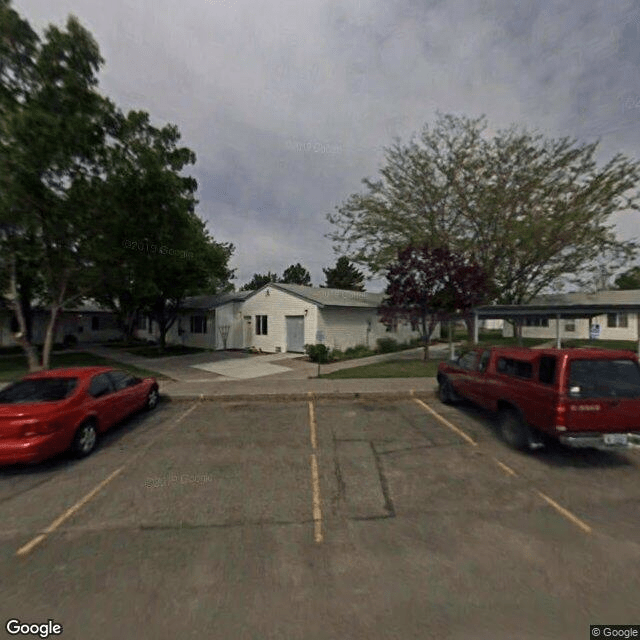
330 297
210 302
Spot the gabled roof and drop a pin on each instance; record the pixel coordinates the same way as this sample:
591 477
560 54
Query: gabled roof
211 302
328 297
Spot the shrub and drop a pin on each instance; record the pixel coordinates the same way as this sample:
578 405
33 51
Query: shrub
317 352
358 351
387 345
337 354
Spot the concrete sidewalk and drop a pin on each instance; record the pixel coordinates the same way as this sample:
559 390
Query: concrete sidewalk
230 366
296 380
291 390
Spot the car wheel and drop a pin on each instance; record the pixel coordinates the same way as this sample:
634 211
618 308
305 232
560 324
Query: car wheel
446 392
514 430
152 399
85 440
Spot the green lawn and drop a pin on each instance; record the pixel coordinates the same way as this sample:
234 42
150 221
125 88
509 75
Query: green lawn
14 367
152 351
630 345
389 369
499 341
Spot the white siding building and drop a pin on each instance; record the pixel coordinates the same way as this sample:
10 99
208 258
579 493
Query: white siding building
616 325
87 323
282 317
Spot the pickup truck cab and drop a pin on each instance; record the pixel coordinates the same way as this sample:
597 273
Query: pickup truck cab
582 397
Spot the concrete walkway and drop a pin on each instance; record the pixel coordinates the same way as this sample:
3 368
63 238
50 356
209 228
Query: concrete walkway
226 366
240 376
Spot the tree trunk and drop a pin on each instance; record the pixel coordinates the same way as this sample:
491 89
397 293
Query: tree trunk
162 325
27 311
426 335
21 336
471 326
51 326
49 336
518 331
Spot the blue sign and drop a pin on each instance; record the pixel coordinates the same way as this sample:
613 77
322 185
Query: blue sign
594 332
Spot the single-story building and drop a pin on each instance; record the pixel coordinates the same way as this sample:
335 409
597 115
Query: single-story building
87 322
282 317
204 321
607 315
620 322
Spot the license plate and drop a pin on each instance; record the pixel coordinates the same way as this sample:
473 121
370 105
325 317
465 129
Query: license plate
616 438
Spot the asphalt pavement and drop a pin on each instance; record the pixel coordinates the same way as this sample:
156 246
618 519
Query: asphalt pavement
321 519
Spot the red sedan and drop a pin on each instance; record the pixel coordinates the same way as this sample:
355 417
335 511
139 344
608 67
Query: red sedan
51 411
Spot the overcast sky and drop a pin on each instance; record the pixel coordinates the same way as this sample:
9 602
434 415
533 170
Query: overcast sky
288 104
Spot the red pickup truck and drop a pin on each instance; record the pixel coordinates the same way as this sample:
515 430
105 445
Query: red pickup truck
582 397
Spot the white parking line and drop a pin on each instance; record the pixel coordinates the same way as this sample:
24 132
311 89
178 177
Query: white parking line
508 470
315 480
445 422
550 501
27 548
565 512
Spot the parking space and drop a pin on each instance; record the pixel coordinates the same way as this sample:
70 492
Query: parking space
202 520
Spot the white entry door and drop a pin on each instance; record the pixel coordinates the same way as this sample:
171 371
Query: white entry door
248 332
295 333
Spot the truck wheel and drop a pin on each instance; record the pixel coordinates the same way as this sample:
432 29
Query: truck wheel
514 430
446 392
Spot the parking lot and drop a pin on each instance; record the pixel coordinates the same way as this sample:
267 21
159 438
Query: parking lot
321 519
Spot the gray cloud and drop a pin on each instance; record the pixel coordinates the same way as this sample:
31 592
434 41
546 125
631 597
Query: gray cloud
288 105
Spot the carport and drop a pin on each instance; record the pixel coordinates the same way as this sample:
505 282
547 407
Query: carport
554 312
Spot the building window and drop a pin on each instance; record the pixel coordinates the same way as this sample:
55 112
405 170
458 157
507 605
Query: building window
393 327
536 322
95 323
569 326
617 320
198 324
261 325
150 324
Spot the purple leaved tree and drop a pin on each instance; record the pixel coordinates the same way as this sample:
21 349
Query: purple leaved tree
427 285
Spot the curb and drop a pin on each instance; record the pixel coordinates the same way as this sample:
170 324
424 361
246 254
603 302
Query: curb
301 396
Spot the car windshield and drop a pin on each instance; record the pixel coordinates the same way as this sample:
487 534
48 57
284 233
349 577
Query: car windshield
604 379
38 390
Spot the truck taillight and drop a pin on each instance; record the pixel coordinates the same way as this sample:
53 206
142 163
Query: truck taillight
561 417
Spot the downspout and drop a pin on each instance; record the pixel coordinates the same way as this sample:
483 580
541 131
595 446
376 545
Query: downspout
558 342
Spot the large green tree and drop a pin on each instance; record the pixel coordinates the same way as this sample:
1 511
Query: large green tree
259 280
630 279
153 243
344 276
534 212
51 135
296 274
80 183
